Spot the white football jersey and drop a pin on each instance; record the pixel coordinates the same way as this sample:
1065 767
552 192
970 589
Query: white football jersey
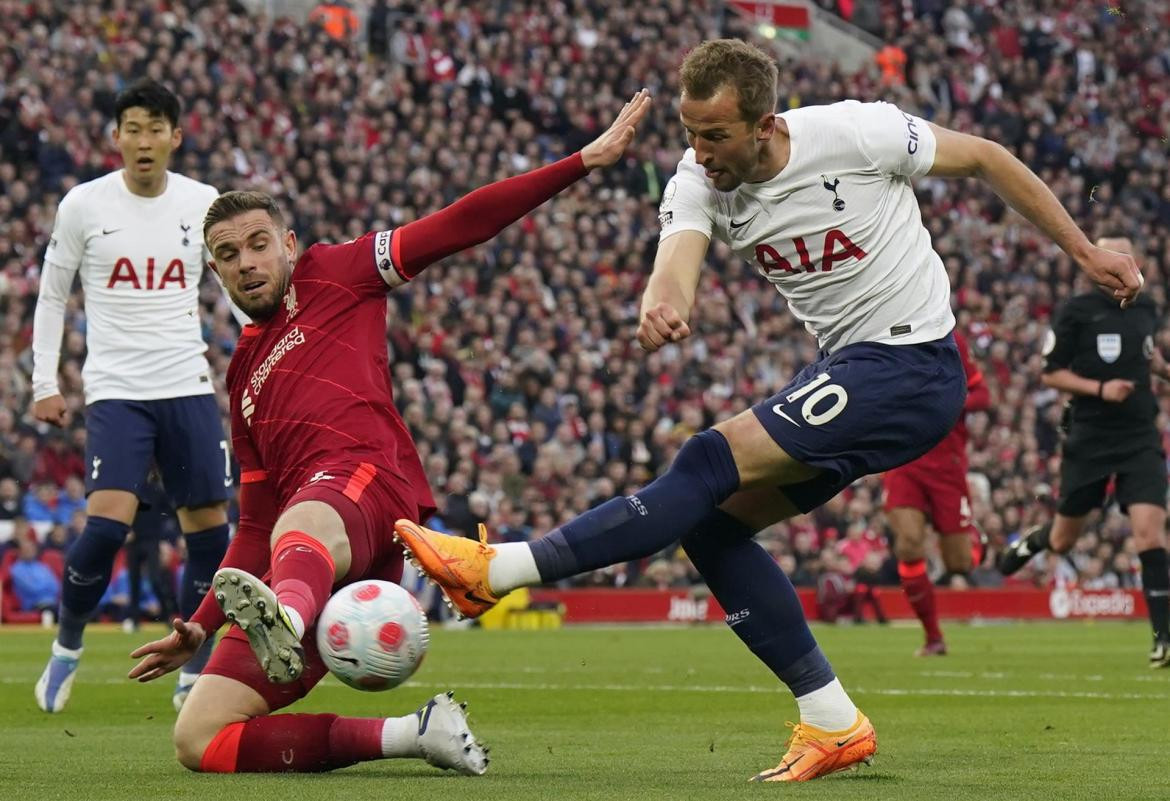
838 231
140 261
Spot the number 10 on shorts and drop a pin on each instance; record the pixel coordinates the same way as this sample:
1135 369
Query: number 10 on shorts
808 409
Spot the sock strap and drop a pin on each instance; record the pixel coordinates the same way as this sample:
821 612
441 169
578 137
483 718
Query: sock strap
221 753
909 570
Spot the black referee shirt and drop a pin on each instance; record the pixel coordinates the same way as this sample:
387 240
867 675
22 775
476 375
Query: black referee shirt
1095 338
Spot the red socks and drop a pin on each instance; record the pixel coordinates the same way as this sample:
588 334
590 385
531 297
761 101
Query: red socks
293 744
302 575
920 593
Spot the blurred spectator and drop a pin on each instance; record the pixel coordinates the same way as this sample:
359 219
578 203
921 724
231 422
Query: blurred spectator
40 505
33 581
11 500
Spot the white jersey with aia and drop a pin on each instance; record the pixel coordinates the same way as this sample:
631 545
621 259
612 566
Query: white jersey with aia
838 231
140 260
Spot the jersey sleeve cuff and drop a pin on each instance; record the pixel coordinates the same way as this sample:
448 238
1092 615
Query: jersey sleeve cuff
45 390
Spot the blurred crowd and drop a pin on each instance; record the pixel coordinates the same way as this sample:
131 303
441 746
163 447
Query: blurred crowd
514 364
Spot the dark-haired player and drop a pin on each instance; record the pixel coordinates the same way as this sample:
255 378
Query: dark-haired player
133 238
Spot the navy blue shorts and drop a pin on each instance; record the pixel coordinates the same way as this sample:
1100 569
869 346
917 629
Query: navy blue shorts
865 409
183 436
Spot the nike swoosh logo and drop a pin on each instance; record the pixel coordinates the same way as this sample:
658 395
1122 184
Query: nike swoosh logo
108 231
475 599
843 742
737 225
778 410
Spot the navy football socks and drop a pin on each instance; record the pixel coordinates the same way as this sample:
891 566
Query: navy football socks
702 476
760 602
205 550
88 567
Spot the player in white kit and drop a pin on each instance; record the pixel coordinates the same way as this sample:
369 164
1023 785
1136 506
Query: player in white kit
820 200
134 238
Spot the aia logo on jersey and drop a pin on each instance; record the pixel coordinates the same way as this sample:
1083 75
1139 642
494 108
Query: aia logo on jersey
125 273
290 301
247 407
836 247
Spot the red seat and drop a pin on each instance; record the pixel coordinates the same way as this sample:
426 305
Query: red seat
56 562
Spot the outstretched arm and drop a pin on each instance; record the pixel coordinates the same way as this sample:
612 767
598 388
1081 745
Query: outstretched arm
961 155
481 215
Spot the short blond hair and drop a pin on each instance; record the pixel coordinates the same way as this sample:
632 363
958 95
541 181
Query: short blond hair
731 62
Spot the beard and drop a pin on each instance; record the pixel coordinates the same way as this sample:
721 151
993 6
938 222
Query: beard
262 308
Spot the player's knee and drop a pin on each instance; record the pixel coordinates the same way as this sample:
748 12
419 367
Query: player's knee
190 740
707 457
202 518
1147 537
909 547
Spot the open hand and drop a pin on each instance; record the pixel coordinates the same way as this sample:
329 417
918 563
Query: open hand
609 147
169 653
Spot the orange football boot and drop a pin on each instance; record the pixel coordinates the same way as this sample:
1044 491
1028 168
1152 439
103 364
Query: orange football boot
814 752
458 566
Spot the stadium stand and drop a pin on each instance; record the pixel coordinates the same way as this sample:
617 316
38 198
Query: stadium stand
515 364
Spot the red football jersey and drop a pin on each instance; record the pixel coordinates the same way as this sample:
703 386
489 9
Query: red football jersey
953 448
310 388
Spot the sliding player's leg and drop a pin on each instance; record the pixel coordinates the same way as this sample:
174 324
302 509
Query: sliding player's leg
310 552
226 726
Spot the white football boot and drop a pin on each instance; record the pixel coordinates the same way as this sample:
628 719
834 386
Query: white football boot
446 740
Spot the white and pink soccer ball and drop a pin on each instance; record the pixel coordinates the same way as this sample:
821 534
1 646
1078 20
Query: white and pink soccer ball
372 635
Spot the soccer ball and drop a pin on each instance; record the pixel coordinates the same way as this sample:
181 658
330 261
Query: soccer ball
372 635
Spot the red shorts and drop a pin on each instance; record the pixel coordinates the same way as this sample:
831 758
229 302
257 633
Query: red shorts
368 506
937 489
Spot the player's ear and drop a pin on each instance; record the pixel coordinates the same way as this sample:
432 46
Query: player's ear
176 137
766 127
214 269
290 244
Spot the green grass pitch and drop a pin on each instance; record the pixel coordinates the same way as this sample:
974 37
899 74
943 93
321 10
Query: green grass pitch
1044 711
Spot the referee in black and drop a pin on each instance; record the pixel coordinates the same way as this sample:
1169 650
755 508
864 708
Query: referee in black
1103 356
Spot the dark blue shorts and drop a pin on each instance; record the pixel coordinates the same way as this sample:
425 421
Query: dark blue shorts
865 409
183 436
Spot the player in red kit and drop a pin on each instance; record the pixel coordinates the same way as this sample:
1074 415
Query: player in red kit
327 465
935 486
